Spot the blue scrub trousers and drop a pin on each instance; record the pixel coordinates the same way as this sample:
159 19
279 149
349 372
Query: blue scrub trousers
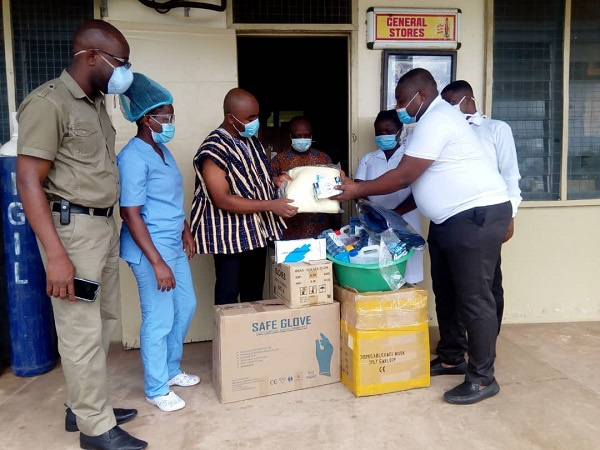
166 317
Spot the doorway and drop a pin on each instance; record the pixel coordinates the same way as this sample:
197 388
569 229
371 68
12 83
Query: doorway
293 76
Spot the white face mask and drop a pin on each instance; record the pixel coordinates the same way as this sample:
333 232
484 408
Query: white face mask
457 106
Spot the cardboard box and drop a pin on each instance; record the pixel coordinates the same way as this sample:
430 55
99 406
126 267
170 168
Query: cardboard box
263 348
385 360
382 310
300 250
385 340
303 283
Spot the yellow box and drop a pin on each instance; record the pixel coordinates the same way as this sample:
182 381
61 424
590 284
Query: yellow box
382 310
385 360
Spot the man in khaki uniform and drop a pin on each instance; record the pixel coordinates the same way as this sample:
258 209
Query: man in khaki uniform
68 182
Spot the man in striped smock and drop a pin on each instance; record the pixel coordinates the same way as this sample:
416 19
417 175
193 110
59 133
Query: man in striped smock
235 210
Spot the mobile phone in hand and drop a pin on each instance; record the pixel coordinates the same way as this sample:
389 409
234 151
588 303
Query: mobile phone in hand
86 290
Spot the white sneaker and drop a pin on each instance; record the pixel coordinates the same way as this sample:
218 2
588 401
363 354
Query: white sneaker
184 379
169 402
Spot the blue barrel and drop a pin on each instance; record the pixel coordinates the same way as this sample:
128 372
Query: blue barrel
29 308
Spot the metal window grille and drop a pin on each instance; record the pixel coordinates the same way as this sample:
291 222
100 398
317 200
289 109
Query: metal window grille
292 11
528 88
584 101
42 34
4 117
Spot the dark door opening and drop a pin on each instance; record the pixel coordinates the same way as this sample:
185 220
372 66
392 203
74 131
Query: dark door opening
299 76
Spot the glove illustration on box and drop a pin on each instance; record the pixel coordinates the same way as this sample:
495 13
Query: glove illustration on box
324 354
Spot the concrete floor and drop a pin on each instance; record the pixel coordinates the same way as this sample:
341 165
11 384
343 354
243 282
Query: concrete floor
550 399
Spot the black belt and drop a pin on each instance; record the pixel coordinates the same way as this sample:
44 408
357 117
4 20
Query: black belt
78 209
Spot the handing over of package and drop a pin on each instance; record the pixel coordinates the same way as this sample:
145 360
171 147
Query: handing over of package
311 188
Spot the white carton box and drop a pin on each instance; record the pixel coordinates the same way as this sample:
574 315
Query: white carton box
263 348
303 283
300 250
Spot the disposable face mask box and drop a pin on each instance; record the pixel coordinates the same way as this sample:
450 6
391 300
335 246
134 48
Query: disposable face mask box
377 310
384 340
303 283
263 348
385 360
296 250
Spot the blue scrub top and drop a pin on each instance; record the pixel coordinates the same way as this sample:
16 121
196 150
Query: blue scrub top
157 187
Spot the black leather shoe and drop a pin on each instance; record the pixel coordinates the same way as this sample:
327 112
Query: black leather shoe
436 368
469 393
122 416
113 439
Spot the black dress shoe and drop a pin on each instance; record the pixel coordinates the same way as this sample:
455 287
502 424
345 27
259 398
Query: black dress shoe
122 416
436 368
469 393
113 439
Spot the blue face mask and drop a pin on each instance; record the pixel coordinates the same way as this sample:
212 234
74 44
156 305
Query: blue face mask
167 133
301 144
120 80
386 141
404 116
250 129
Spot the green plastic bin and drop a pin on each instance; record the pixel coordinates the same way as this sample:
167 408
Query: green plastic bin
365 277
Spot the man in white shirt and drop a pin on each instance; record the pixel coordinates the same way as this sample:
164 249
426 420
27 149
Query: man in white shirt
497 140
468 205
388 155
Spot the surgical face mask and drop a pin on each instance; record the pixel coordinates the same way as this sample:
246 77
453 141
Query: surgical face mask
250 129
386 141
301 144
457 106
404 116
167 133
121 78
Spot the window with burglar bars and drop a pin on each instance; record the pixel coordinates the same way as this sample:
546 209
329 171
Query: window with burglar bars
528 88
293 11
4 117
42 36
584 101
529 92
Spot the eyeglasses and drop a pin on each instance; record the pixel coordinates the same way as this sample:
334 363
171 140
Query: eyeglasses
124 61
163 118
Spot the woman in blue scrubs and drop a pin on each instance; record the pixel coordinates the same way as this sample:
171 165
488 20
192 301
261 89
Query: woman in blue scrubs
156 241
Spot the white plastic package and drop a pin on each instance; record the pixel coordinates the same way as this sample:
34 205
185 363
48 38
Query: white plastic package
391 249
303 191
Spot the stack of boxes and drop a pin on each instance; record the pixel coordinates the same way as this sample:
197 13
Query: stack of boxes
297 340
291 342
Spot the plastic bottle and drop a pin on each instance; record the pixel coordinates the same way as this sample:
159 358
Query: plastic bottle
366 255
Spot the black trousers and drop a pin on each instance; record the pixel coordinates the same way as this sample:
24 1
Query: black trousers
464 253
240 274
498 292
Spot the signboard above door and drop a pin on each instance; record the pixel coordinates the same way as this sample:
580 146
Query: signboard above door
413 28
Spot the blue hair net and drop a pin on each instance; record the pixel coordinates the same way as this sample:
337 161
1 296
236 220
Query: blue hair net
142 96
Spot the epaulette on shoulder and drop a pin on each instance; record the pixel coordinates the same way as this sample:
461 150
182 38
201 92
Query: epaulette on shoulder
47 90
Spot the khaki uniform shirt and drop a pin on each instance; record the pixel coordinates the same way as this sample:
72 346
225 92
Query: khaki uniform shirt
59 123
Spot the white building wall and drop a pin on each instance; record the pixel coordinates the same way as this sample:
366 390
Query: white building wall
551 264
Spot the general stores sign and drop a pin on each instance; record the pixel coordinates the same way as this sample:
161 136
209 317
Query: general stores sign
417 28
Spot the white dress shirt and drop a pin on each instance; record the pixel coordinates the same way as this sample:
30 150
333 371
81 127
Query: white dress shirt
460 177
499 146
375 164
